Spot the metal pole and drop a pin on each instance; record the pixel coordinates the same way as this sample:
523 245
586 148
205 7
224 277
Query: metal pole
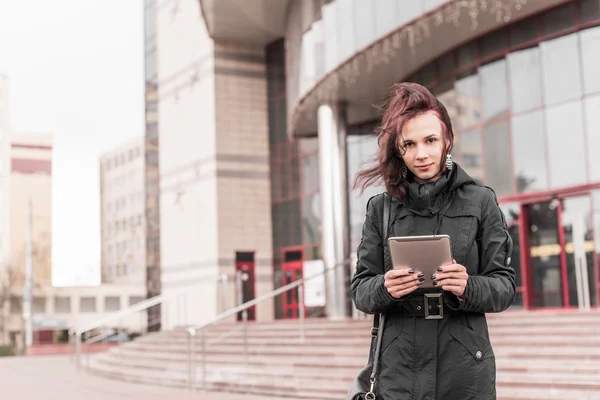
27 295
245 322
301 311
191 357
224 281
204 388
78 350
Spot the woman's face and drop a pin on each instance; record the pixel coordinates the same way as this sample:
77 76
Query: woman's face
422 145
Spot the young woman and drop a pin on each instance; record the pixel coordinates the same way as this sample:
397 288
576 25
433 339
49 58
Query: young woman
449 358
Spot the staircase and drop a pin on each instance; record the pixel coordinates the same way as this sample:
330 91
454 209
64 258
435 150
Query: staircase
539 355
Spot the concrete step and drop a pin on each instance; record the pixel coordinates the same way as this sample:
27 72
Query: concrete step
546 355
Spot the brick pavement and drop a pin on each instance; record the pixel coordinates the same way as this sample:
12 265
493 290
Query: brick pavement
54 378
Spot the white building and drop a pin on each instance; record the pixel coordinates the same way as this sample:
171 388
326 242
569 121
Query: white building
123 254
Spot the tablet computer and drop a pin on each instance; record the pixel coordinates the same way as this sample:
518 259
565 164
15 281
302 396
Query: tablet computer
421 253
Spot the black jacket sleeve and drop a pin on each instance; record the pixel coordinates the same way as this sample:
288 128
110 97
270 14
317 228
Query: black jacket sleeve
493 288
367 290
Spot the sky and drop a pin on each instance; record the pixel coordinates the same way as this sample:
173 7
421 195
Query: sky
75 70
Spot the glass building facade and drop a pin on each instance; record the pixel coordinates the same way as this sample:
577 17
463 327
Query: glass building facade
524 102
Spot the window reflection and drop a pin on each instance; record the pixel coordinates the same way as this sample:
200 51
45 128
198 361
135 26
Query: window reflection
498 167
525 79
529 166
590 43
565 145
468 107
469 144
592 127
360 150
494 93
561 77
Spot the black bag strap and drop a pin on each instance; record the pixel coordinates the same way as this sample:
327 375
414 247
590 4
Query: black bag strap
379 319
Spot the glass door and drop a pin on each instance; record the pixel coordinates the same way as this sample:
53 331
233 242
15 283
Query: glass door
576 225
561 253
545 266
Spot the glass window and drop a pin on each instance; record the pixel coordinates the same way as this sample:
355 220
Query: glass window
592 126
311 211
295 177
596 205
330 32
589 10
523 32
276 225
558 19
560 66
87 304
529 166
409 10
445 64
493 43
525 79
310 174
386 13
468 107
295 219
498 166
565 145
308 72
469 144
494 93
285 224
112 303
445 93
590 43
364 21
467 55
345 28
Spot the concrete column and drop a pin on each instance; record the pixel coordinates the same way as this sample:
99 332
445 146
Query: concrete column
335 238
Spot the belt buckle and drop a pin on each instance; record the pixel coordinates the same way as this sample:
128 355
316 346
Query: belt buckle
430 307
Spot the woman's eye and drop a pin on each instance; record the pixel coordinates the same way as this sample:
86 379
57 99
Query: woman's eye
409 144
431 140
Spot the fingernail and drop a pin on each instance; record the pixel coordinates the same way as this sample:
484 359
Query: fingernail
433 276
421 279
421 275
440 269
410 271
419 284
434 283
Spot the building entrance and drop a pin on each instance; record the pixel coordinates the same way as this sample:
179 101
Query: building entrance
291 271
560 257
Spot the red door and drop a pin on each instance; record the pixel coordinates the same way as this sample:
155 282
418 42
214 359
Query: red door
291 271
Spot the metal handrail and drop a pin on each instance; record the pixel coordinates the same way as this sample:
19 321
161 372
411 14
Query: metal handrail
243 308
141 306
78 333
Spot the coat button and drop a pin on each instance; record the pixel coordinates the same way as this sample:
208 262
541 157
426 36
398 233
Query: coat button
478 355
508 260
419 308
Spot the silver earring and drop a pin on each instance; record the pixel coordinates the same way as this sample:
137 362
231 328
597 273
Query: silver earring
403 171
449 163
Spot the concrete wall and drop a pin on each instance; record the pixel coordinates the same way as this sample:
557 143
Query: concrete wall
188 188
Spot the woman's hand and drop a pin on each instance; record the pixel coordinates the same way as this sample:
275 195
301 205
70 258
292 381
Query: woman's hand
452 278
400 282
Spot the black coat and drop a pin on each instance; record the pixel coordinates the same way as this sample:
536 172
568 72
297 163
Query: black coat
451 358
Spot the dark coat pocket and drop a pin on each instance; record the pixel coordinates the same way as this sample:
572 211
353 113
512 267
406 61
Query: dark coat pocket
476 360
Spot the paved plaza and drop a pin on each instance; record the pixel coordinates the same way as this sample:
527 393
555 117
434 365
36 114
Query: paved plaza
54 378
